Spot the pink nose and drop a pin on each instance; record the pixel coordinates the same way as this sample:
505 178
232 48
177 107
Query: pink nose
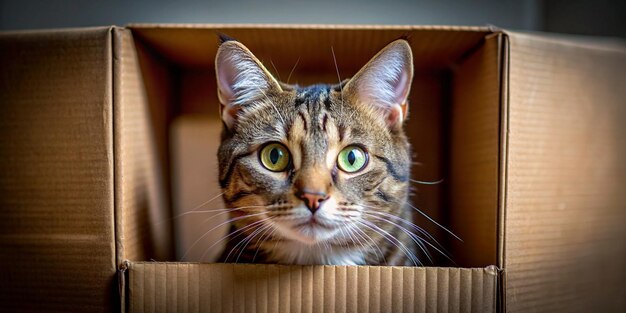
313 200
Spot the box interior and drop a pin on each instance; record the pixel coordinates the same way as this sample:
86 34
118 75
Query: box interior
453 125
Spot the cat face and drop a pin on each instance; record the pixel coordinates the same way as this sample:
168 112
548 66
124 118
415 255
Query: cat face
314 165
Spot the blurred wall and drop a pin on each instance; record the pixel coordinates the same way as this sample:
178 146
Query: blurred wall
599 17
587 17
28 14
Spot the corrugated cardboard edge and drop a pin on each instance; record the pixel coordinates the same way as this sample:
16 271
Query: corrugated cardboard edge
197 287
122 278
117 210
504 150
141 196
314 26
141 216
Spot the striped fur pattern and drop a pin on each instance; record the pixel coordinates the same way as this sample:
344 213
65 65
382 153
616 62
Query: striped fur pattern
363 217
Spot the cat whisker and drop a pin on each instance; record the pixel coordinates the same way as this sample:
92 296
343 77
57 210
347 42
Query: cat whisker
262 235
209 201
275 70
292 69
232 210
441 249
397 243
332 49
247 241
218 226
244 244
267 208
433 221
238 232
418 241
273 106
412 225
234 249
206 211
263 239
347 234
363 234
189 212
427 182
353 237
388 237
415 227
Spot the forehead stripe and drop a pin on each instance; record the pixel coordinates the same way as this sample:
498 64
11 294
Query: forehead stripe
231 166
401 177
304 124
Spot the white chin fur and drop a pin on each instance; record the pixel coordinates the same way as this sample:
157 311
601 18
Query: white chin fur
293 252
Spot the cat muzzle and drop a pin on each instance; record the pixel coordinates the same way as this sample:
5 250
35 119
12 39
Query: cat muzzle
313 200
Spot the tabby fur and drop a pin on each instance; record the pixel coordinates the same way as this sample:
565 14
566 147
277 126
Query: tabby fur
270 222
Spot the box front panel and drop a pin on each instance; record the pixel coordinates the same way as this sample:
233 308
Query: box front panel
565 246
57 251
192 287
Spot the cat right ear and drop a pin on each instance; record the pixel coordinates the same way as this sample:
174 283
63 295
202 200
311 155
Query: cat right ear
241 80
383 84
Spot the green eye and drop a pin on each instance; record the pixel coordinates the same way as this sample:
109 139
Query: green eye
351 159
274 157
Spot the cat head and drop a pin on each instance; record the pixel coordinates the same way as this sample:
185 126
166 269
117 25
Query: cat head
314 163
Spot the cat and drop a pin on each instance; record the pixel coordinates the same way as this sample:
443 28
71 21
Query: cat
316 174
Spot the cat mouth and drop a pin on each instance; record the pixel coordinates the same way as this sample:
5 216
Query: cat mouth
313 223
309 230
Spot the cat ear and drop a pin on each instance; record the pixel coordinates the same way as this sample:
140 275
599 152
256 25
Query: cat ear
241 79
383 84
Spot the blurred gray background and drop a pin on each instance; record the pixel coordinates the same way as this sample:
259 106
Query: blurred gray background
599 17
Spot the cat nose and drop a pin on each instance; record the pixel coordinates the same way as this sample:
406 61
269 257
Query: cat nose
312 199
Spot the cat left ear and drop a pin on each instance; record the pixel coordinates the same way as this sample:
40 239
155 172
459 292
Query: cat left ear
241 79
383 84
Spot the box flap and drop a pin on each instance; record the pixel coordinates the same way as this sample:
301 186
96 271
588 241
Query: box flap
283 45
57 250
143 226
566 176
474 154
194 287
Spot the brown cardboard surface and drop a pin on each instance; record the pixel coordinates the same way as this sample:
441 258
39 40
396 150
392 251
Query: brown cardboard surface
193 287
474 154
193 45
196 193
426 130
142 216
565 241
57 247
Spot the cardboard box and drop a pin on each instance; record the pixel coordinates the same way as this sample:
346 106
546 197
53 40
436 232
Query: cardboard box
524 129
